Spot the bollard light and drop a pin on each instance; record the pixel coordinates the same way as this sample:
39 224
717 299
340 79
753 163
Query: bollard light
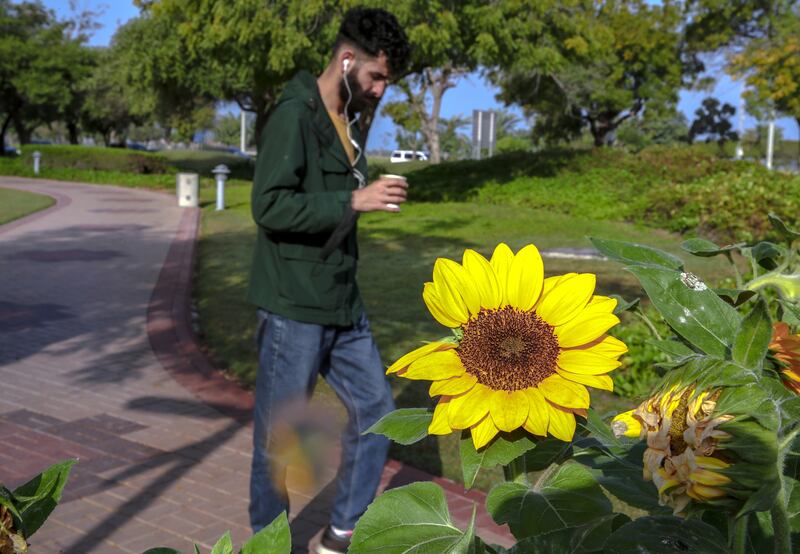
221 174
36 157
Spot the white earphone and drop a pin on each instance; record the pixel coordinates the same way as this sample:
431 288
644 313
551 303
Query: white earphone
345 65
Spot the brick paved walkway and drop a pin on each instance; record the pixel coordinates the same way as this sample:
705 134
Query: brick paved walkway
98 362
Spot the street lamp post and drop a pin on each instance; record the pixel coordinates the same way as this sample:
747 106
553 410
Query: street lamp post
221 174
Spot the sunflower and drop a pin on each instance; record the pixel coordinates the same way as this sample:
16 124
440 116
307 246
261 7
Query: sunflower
683 457
525 347
786 349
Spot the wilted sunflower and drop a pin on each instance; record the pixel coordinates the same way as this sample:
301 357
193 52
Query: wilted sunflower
786 349
527 346
682 457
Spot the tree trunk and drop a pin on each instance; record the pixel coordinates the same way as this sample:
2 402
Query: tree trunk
3 130
23 131
797 120
72 129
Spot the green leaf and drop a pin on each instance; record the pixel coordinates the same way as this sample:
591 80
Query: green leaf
665 535
573 540
753 338
563 496
767 254
162 550
734 297
224 545
706 248
673 348
501 451
624 305
548 451
695 312
781 227
791 309
37 498
411 519
636 254
404 426
275 538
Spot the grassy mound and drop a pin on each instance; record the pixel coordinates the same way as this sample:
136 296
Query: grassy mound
97 158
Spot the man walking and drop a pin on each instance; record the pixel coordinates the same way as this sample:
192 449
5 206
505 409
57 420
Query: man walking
310 184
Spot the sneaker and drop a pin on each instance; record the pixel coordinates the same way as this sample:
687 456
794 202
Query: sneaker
334 543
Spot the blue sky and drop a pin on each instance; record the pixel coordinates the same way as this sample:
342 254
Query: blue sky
472 92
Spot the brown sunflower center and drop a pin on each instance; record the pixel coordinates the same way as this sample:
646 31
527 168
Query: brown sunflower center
678 425
508 349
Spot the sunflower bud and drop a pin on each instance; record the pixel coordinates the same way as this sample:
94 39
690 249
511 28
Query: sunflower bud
786 349
697 454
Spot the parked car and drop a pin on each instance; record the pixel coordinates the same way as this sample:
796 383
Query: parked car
399 156
11 151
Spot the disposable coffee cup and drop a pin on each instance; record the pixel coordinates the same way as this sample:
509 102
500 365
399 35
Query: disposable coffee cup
391 205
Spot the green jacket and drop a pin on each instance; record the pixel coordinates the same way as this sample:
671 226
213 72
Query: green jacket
301 192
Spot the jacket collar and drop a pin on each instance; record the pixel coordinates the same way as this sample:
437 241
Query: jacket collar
304 87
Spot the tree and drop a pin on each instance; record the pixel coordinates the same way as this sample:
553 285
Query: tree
455 145
771 69
249 50
617 58
227 130
36 68
165 83
658 128
107 102
449 39
713 120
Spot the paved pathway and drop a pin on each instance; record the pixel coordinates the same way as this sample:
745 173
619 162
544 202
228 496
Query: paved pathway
98 362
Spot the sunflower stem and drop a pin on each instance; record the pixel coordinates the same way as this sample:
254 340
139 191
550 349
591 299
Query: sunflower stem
516 471
739 537
639 312
736 272
780 525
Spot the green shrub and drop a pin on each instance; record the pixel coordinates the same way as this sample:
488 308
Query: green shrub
727 206
97 158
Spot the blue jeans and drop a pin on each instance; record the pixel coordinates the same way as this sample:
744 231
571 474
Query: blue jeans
291 355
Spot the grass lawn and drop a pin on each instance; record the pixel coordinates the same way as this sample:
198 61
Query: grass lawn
397 256
17 203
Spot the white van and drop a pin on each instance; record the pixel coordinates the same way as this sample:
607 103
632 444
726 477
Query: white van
399 156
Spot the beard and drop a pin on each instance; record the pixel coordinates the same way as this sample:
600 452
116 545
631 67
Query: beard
361 100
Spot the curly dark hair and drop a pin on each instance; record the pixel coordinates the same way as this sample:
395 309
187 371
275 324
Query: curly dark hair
374 31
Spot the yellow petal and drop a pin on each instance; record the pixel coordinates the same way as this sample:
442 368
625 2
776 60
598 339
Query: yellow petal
483 276
563 392
469 408
435 366
439 425
702 492
710 478
610 347
584 328
709 462
448 292
501 264
525 278
453 386
509 410
431 297
483 431
459 283
550 283
538 413
625 425
602 303
585 362
602 382
567 299
405 360
562 423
